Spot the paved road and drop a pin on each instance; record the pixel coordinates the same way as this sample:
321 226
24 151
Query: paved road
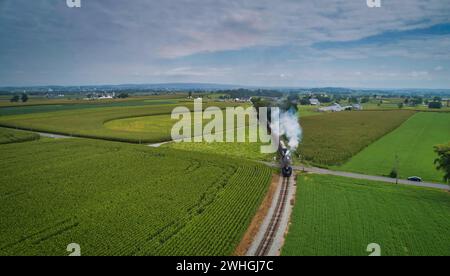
368 177
54 136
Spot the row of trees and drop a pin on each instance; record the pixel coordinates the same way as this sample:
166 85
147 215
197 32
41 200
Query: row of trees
17 98
434 103
334 98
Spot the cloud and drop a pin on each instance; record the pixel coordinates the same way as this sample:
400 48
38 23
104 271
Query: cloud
153 40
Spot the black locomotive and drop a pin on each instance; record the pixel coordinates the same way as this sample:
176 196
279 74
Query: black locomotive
285 158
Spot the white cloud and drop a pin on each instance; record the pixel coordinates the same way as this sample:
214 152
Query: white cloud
146 39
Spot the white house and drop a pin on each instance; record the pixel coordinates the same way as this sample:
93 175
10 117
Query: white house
314 102
338 108
332 108
357 107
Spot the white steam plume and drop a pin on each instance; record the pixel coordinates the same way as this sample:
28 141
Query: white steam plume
289 126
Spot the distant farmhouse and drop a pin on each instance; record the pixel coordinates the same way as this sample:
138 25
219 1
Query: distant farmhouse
332 108
447 100
314 102
338 108
100 96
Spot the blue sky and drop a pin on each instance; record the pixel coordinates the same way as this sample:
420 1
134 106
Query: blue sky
403 44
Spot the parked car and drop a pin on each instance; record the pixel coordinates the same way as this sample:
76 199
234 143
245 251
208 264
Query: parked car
415 179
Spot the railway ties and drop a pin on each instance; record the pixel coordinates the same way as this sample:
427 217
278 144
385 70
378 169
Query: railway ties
274 225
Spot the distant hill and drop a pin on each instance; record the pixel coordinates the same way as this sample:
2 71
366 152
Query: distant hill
173 87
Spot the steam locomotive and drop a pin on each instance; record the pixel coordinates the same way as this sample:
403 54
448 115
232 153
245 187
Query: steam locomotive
285 160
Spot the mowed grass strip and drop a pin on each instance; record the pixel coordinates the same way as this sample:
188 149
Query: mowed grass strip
123 199
90 122
333 138
336 216
14 136
412 142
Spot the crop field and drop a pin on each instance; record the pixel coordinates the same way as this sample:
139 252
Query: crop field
123 199
341 216
244 150
330 138
307 110
412 143
90 122
160 123
13 136
29 109
333 138
40 100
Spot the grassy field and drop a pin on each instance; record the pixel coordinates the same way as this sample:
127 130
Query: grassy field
307 110
413 144
123 199
393 103
328 139
30 109
40 100
333 138
90 122
340 216
14 136
159 124
244 150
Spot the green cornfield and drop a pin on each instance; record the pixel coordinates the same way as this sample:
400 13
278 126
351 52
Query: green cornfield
90 122
336 216
124 199
333 138
14 136
413 146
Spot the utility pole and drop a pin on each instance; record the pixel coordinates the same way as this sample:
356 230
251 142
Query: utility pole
396 168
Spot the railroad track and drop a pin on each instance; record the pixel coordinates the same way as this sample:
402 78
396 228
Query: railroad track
272 230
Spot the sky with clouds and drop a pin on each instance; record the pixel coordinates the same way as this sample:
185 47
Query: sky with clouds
307 43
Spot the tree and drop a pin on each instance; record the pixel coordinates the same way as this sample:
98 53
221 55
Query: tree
416 101
123 96
24 98
435 105
259 102
15 99
353 100
443 161
190 94
400 105
365 100
304 101
323 99
393 173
